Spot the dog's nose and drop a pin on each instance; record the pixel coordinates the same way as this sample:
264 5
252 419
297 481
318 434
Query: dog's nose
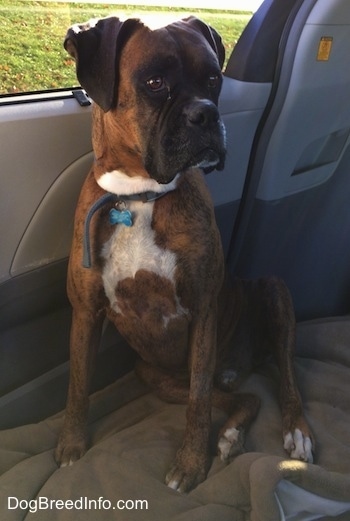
201 113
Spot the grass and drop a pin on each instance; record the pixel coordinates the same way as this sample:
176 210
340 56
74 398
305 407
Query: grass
31 52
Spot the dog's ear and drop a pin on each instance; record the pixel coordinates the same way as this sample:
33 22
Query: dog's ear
96 47
211 35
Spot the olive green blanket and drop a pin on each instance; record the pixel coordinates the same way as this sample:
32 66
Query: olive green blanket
134 438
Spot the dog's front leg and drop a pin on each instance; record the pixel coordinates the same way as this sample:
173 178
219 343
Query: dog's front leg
85 336
193 458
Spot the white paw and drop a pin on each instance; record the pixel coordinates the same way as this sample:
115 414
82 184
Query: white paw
67 464
230 443
183 478
298 446
174 484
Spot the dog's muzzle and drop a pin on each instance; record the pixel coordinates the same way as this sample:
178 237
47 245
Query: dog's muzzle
190 135
203 115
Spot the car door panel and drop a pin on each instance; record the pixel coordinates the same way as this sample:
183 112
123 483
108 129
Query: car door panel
48 235
39 141
241 106
294 215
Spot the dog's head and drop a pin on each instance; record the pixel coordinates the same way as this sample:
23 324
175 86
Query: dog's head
155 94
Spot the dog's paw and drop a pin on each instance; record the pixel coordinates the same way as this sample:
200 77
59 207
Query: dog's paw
187 472
183 480
230 444
70 448
299 445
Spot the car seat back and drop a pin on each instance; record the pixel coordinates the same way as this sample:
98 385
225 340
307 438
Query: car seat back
294 215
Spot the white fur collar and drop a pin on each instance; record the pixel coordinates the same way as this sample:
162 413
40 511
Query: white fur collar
117 182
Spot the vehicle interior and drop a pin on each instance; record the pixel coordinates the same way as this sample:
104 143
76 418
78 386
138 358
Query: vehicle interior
281 205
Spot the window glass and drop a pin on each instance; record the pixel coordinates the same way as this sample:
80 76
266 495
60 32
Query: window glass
32 56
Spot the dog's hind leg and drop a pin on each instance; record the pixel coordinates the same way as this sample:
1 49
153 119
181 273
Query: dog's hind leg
167 387
280 328
240 407
243 409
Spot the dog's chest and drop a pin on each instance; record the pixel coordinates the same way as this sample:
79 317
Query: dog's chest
133 249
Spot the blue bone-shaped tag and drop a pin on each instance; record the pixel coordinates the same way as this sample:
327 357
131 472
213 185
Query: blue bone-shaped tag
120 217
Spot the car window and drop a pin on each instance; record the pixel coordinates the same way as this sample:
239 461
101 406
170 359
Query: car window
32 57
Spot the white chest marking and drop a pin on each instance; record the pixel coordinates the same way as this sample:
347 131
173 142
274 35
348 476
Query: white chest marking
133 248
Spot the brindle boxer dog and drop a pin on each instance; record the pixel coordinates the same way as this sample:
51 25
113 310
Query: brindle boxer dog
146 250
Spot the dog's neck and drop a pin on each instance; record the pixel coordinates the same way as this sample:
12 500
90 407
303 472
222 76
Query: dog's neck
117 182
120 187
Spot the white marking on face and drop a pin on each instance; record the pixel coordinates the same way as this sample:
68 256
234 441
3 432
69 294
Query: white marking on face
119 183
159 20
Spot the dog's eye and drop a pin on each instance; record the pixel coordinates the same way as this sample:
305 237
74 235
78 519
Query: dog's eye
213 81
156 83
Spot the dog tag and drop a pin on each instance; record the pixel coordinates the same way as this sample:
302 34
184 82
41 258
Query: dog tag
120 217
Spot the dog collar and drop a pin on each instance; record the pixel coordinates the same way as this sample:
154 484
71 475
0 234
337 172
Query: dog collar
118 215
